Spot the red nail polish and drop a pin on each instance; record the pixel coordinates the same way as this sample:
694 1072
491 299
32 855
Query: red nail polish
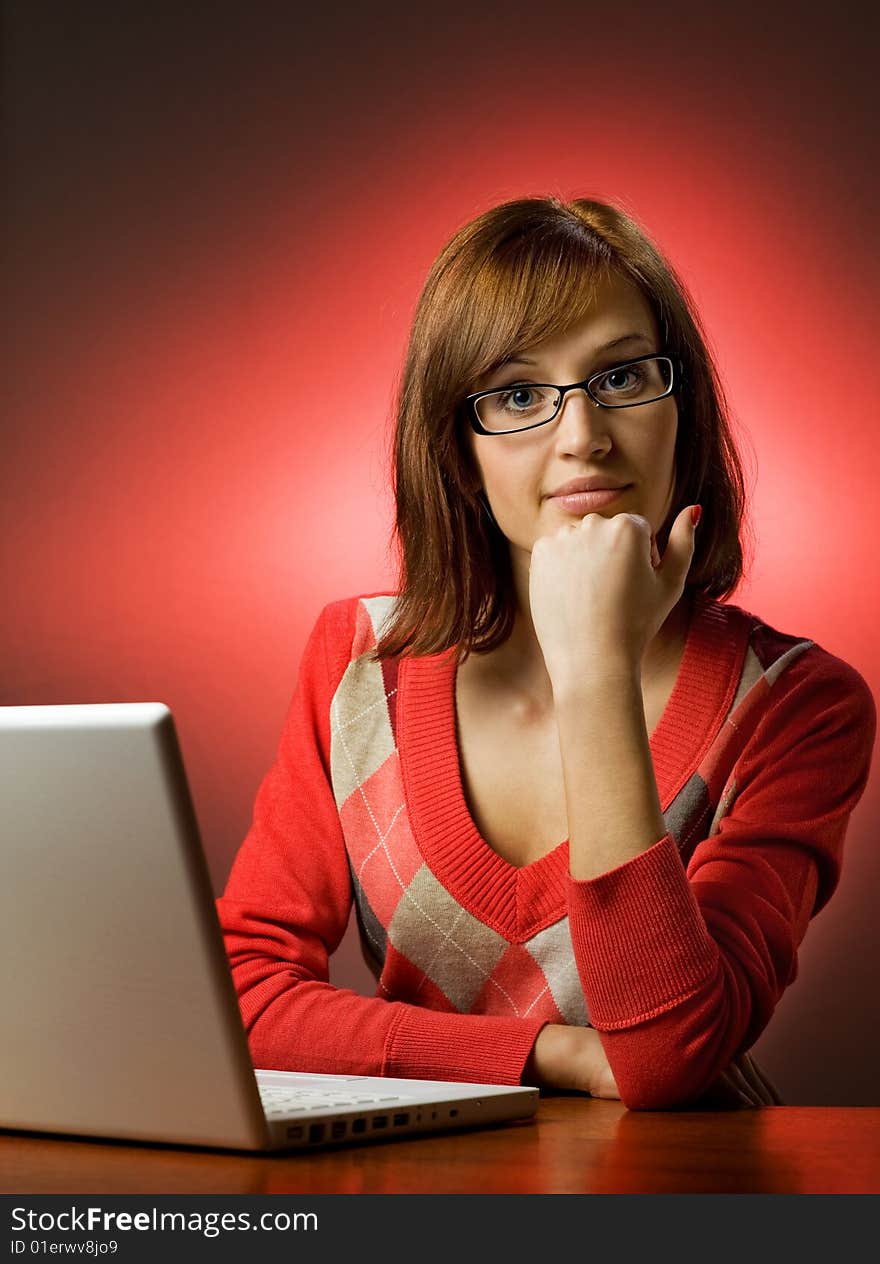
696 514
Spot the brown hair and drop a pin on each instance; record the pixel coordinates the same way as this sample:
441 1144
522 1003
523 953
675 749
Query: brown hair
519 273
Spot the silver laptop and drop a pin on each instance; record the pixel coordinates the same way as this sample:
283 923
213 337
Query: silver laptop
120 1016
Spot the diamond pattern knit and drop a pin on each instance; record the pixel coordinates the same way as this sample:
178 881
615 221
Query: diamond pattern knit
677 957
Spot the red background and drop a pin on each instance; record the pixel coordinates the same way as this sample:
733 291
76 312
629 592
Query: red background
219 223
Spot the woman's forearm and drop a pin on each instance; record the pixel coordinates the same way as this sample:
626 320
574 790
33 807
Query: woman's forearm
611 799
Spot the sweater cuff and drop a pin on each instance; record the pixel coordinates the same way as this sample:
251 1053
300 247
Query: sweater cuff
639 938
477 1048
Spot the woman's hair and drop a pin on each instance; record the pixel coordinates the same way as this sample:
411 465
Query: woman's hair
520 273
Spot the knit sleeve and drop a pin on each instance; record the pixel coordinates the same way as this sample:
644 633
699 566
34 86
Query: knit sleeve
682 966
285 909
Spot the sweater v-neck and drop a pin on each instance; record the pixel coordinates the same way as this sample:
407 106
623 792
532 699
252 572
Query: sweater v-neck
519 901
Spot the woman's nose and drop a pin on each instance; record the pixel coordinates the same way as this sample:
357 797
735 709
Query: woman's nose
581 423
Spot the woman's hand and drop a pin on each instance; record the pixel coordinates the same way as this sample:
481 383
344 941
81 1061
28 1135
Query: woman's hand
570 1058
599 592
742 1084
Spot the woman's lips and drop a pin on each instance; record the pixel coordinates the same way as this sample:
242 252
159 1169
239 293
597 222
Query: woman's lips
587 502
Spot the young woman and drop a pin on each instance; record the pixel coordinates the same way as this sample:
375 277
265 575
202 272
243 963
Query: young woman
585 806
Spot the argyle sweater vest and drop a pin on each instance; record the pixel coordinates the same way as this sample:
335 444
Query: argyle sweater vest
677 957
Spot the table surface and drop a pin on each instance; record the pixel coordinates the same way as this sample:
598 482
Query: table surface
573 1145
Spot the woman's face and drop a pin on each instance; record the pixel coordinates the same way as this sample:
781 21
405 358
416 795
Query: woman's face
629 448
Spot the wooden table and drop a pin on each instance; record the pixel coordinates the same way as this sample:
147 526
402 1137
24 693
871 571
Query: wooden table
575 1145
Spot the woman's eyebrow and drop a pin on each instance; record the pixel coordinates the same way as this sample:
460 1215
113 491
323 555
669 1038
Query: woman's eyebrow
516 358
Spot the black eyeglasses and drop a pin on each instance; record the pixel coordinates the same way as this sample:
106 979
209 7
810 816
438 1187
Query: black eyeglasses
525 405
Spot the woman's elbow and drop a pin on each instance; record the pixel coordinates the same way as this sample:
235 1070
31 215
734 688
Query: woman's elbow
660 1088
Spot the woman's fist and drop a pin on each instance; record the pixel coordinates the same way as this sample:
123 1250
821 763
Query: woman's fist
599 592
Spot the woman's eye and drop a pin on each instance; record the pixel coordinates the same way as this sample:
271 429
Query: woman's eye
620 379
519 398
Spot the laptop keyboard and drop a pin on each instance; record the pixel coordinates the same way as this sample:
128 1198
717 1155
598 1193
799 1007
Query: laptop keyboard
293 1101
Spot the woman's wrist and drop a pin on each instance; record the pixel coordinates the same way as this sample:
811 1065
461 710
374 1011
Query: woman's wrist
543 1063
569 1058
596 684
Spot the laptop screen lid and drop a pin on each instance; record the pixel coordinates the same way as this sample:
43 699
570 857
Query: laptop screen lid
122 1019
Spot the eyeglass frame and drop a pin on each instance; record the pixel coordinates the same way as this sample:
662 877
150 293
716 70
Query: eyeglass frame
675 380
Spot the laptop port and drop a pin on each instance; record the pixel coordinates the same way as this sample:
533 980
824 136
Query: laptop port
295 1132
380 1121
316 1132
359 1125
400 1120
337 1130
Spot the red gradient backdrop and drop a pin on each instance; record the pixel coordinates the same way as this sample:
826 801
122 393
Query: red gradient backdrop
219 224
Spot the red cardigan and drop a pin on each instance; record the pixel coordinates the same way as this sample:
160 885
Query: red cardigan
677 957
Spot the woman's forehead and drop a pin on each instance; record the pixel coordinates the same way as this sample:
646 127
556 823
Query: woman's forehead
618 306
612 306
620 323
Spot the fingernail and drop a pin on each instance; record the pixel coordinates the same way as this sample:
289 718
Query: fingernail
696 514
